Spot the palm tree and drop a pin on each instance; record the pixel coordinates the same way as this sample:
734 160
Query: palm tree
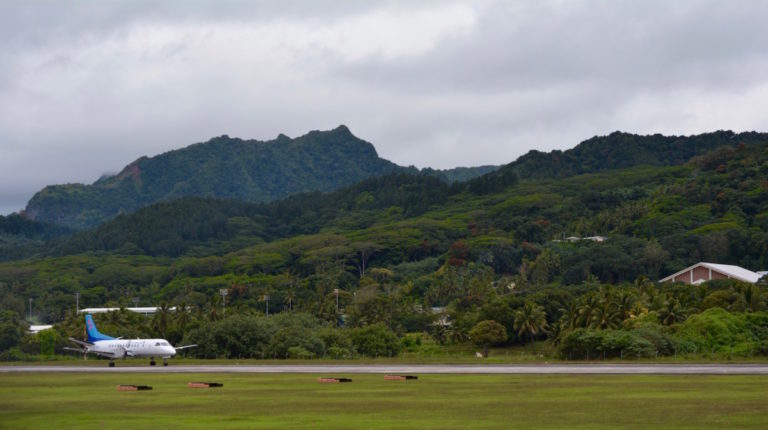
160 321
439 333
604 317
639 309
558 330
530 321
182 316
569 317
592 281
643 284
212 314
624 302
653 298
588 309
671 311
647 290
290 297
606 294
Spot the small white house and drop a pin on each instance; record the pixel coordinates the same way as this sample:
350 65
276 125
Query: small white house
33 329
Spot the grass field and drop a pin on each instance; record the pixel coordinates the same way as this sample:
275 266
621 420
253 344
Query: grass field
91 401
448 354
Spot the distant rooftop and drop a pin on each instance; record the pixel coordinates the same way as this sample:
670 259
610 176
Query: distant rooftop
38 328
148 310
734 272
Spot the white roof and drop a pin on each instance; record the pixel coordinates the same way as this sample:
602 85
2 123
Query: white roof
139 310
595 238
735 272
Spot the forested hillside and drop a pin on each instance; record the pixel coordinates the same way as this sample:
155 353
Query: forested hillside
390 248
225 167
20 237
616 151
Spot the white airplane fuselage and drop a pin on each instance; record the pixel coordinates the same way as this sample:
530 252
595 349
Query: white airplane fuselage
112 348
120 348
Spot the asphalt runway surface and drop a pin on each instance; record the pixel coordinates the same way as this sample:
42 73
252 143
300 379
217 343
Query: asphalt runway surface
573 369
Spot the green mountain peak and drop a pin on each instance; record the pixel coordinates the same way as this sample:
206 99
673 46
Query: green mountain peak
225 167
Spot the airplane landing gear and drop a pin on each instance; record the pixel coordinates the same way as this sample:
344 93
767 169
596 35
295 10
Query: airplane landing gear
111 363
152 362
165 362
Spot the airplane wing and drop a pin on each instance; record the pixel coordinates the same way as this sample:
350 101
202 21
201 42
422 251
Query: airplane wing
79 342
88 351
177 348
85 347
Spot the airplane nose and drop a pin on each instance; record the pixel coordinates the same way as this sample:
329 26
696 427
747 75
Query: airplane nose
171 351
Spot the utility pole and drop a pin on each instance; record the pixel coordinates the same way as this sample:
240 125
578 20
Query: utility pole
223 293
30 309
336 292
135 302
77 302
266 298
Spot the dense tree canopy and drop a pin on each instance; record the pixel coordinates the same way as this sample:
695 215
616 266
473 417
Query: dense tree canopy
569 260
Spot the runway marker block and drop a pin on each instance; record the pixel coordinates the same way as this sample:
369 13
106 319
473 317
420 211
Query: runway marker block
333 380
204 385
399 377
133 387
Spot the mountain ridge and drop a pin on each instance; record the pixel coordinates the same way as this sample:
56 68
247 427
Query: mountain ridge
225 167
616 150
325 161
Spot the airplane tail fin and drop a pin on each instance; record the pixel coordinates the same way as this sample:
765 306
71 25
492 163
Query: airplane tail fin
93 332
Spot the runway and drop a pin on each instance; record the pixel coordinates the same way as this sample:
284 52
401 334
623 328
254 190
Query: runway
573 369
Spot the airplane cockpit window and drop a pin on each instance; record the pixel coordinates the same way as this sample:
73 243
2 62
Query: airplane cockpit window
157 344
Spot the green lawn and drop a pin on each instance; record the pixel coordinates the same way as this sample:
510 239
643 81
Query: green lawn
91 401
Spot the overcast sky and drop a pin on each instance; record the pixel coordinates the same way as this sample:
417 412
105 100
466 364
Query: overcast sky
88 87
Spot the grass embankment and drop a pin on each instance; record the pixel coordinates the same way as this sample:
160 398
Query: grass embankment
90 401
449 354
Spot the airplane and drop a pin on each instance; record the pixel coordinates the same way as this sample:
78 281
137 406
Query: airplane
112 348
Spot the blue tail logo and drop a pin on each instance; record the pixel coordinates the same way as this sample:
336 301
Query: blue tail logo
93 332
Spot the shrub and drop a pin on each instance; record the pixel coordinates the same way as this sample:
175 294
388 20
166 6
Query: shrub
291 340
587 343
10 334
717 330
334 338
375 340
655 336
299 352
487 333
336 352
15 354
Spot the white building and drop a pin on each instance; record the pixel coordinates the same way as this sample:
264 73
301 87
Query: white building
38 328
147 310
703 272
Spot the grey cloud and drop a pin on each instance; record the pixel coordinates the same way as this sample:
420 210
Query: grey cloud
624 42
87 87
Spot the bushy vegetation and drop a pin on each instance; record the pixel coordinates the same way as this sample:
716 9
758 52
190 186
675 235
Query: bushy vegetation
20 237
